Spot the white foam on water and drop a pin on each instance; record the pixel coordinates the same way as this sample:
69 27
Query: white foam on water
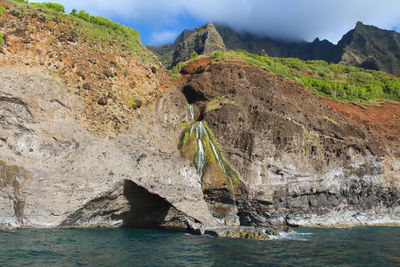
291 236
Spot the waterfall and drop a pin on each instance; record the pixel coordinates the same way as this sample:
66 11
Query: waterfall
192 111
200 159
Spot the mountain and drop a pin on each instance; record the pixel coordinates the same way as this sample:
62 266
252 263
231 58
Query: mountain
371 48
365 46
277 48
202 40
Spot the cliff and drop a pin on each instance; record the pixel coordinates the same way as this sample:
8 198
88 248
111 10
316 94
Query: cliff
301 159
94 132
88 140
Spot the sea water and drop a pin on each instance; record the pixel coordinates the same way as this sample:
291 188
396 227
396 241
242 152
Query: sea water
361 246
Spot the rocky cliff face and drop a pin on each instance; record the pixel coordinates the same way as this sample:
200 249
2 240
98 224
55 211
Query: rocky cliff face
203 40
53 171
101 140
299 161
371 48
74 150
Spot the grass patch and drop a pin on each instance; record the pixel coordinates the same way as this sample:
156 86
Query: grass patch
337 82
53 6
217 103
103 31
1 10
1 39
184 125
20 1
175 72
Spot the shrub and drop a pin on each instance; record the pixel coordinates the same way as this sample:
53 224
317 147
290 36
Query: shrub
1 10
176 70
218 54
54 6
107 23
1 39
194 55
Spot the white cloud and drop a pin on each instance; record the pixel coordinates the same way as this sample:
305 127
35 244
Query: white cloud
293 19
163 37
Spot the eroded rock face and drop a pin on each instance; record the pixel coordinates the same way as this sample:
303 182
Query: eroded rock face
54 172
128 204
301 162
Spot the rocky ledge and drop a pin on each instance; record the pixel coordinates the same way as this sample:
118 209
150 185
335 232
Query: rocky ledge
254 233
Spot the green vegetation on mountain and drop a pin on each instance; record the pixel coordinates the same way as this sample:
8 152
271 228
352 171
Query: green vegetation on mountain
371 48
202 40
365 46
53 6
99 31
334 81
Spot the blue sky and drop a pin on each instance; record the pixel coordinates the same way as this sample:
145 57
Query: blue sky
161 21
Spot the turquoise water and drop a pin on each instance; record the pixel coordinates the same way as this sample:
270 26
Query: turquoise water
364 246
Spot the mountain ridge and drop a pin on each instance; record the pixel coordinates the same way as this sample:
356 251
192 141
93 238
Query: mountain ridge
364 46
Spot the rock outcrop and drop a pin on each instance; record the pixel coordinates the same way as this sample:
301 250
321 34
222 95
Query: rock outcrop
300 162
53 171
254 233
203 40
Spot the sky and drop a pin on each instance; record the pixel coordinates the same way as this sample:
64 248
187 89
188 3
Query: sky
161 21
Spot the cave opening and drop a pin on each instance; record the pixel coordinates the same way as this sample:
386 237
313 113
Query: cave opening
192 95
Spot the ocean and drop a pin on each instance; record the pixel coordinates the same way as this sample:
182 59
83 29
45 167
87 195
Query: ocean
360 246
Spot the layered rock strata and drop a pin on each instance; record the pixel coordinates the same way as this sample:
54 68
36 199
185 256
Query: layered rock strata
54 172
299 161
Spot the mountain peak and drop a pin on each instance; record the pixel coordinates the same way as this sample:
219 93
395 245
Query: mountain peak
210 24
359 24
202 40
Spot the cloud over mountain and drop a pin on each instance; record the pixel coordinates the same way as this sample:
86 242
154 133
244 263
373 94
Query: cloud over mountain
287 19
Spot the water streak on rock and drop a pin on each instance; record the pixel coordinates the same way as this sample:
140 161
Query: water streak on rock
200 159
192 111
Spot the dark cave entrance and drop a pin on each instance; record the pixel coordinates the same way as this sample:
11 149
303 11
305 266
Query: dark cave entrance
192 95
